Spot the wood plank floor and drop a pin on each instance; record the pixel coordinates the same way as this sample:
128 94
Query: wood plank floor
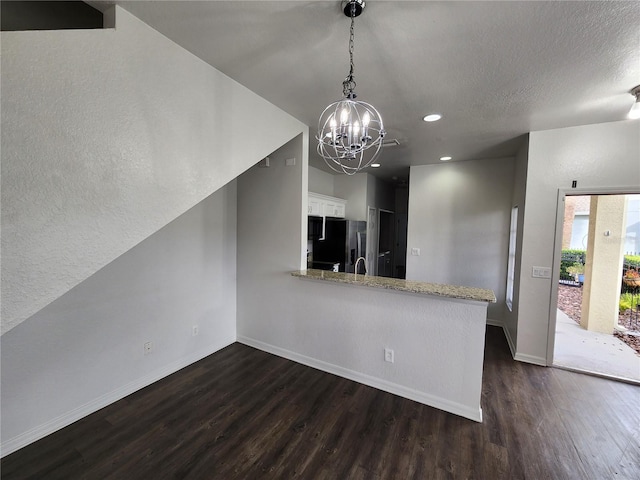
243 414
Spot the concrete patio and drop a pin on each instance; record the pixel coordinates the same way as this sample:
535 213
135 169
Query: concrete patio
596 353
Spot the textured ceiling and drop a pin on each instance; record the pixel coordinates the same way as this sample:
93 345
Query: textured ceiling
495 70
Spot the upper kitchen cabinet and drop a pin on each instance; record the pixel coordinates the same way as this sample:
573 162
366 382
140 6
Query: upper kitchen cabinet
325 206
316 206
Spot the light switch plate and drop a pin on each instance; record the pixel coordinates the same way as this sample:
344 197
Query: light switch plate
541 272
415 251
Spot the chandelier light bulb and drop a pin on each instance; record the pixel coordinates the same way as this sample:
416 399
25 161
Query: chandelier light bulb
344 116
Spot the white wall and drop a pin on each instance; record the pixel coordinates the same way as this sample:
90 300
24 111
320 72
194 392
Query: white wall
342 328
272 227
363 190
272 236
107 135
353 188
519 189
459 215
596 156
85 350
320 182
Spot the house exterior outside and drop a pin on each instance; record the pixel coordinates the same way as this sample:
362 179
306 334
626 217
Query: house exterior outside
575 226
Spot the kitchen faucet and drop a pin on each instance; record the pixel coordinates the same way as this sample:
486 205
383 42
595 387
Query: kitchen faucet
364 262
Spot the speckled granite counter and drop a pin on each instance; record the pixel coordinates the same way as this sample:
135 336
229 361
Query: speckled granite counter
441 290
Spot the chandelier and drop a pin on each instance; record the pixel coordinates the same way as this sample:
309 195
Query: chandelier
350 132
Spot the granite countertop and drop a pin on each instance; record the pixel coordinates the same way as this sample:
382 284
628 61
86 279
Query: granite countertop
441 290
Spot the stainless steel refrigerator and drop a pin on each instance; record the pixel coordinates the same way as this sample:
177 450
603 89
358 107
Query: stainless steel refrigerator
343 243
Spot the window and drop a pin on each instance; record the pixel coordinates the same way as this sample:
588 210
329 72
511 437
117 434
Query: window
511 266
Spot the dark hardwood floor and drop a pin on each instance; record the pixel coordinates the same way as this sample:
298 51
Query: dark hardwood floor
242 414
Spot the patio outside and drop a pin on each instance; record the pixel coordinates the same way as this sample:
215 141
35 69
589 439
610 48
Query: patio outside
598 320
570 302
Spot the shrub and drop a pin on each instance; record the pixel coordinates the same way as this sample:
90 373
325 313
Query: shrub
626 302
575 253
576 268
632 261
569 257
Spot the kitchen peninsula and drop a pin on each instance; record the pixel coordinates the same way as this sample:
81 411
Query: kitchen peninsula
450 291
422 341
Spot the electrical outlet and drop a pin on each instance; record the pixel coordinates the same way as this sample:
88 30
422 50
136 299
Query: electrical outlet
195 330
148 348
415 251
388 355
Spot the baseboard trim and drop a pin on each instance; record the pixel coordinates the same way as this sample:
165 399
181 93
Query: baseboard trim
495 323
66 419
498 323
380 384
522 357
510 341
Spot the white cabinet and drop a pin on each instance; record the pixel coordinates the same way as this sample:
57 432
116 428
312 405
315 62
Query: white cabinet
324 206
334 209
316 207
329 209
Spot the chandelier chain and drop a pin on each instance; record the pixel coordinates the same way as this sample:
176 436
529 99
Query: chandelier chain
349 84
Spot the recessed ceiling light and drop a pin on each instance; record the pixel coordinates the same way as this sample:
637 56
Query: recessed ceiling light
432 117
444 159
375 165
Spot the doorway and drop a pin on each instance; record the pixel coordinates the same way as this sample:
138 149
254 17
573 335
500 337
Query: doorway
595 331
372 240
400 254
386 236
